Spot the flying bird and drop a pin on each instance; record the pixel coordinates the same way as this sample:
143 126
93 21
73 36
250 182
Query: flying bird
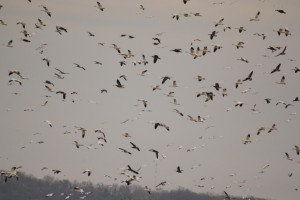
125 151
256 18
178 170
282 52
280 11
134 146
119 85
248 139
99 6
287 156
297 149
276 69
154 151
79 66
9 44
132 170
155 58
249 77
220 22
63 94
162 125
89 172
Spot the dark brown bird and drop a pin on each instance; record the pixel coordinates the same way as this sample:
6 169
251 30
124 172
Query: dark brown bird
154 151
178 170
125 151
63 93
134 146
249 77
276 69
155 58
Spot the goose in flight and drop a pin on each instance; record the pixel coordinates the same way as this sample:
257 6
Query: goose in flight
23 24
194 53
143 73
175 102
11 72
2 22
178 112
249 77
227 195
163 183
155 58
175 16
238 82
217 47
91 34
256 18
9 44
268 100
119 85
63 94
282 52
125 151
89 172
59 29
77 144
217 86
179 170
162 125
78 189
144 102
287 156
191 118
157 41
176 50
213 34
276 69
282 81
296 69
79 66
46 10
154 151
134 146
204 51
48 82
239 45
248 139
83 131
259 130
48 122
199 78
99 6
280 11
239 103
243 59
56 171
273 128
49 195
220 22
241 29
224 92
297 149
60 71
132 170
165 78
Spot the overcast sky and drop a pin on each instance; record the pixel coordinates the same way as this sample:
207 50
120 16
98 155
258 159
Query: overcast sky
211 153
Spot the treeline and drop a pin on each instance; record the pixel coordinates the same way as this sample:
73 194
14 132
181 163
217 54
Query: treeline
31 188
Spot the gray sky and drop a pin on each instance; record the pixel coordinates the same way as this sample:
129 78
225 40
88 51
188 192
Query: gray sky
217 143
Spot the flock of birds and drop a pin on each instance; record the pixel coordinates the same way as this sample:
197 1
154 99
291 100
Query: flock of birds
18 78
